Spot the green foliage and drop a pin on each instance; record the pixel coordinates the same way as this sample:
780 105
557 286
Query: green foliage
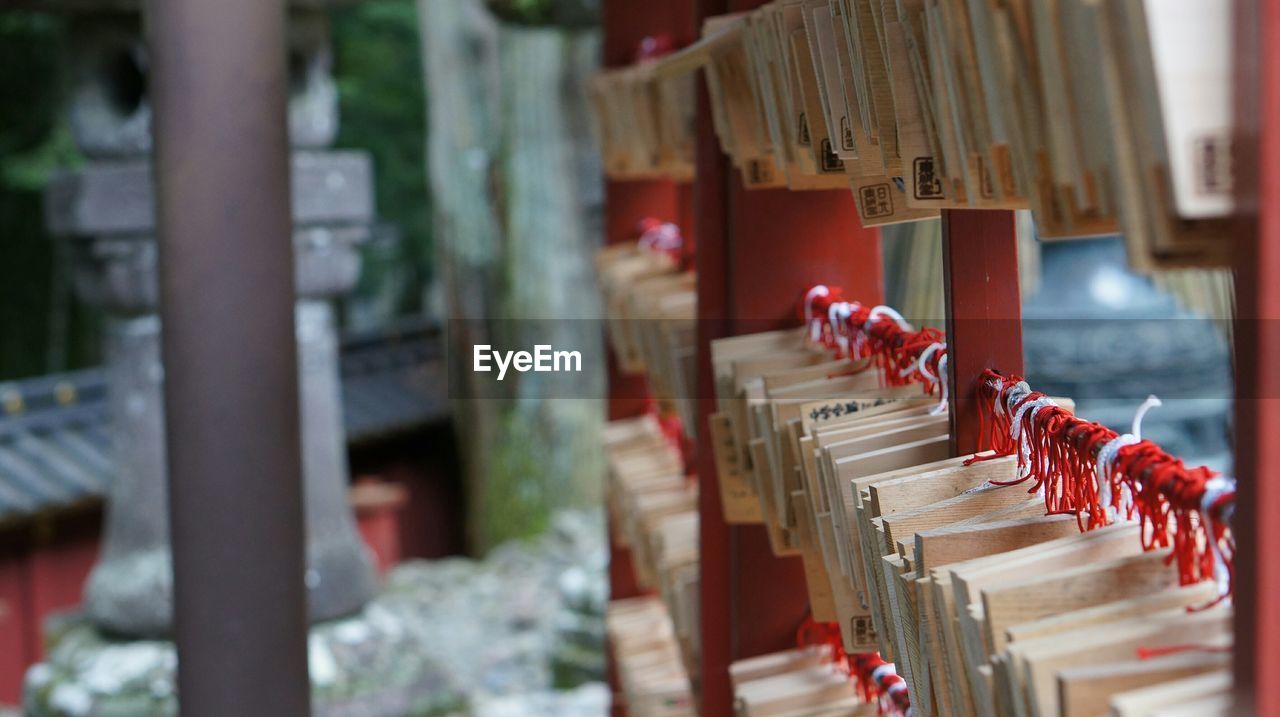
378 68
42 327
31 79
34 137
561 13
518 496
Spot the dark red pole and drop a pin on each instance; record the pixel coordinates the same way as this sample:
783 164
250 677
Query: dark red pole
711 189
1257 338
772 246
625 23
983 309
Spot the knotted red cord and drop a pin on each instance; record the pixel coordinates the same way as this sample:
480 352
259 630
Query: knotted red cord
881 686
894 349
651 47
812 633
1059 453
671 426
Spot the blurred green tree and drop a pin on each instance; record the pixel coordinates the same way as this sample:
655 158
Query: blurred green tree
378 67
42 327
562 13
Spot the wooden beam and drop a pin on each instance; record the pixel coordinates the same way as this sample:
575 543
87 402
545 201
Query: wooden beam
625 23
692 57
983 309
1257 339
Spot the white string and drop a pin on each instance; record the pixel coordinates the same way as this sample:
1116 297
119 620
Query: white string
997 384
837 315
1107 457
878 676
1147 405
920 365
1016 394
815 327
942 406
889 311
1214 489
665 236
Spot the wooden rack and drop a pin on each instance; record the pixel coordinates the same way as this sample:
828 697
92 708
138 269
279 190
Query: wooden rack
755 251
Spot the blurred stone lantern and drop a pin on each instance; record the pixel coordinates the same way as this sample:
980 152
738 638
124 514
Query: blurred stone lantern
104 211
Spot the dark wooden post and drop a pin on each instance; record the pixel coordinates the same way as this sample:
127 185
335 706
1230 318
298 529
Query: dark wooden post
231 386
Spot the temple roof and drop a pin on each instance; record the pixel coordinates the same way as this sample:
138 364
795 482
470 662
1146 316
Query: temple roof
55 432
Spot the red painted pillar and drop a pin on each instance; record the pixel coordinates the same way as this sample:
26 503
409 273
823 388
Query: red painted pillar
983 309
758 251
1257 337
625 23
63 552
378 506
781 243
711 196
18 639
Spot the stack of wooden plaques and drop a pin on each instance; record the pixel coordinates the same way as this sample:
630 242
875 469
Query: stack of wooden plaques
644 123
653 508
987 605
795 683
1012 612
651 311
653 678
1098 115
784 405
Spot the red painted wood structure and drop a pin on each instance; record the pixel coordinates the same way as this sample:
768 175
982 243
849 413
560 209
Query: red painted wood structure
983 309
1257 337
757 251
45 561
625 24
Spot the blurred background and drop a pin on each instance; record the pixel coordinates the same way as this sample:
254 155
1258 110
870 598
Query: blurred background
446 185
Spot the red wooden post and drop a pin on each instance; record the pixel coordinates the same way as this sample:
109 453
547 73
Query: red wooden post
758 252
625 23
770 247
379 505
983 309
711 222
18 633
781 244
63 552
1257 338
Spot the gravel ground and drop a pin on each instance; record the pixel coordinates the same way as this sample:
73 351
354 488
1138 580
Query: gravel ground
518 634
